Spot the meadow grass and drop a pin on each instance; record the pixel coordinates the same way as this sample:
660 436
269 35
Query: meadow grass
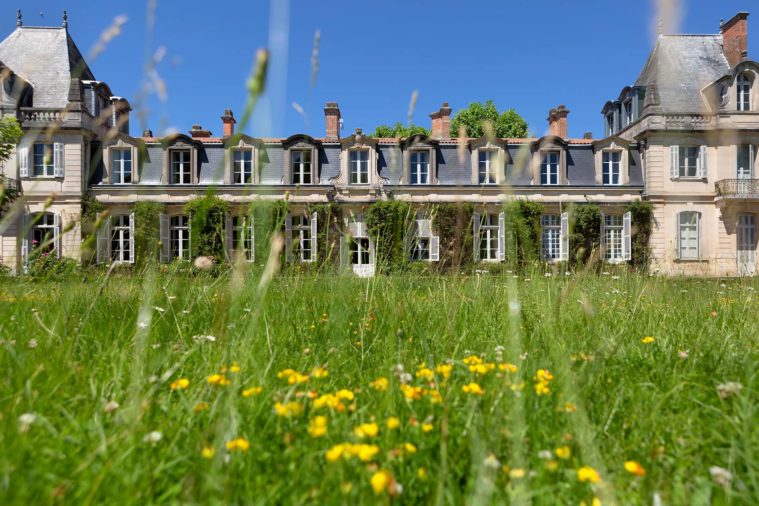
88 414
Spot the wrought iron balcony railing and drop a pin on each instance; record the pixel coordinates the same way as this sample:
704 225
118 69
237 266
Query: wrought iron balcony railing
738 188
12 186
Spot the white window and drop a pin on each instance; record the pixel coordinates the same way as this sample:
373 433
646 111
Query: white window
609 124
303 239
688 162
302 166
424 245
549 168
44 160
628 107
359 167
551 237
242 236
745 168
688 235
744 93
613 238
242 162
487 164
121 165
180 166
489 233
612 167
179 230
420 167
121 239
359 249
45 234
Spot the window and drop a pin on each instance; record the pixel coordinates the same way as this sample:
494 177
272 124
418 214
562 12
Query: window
489 238
301 162
551 237
179 230
549 168
180 166
424 245
612 167
609 124
420 167
121 165
688 231
45 234
744 93
44 160
360 251
242 236
121 243
359 167
242 161
613 232
302 238
688 161
487 164
745 168
628 107
421 249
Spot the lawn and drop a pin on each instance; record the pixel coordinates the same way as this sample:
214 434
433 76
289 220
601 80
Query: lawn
328 389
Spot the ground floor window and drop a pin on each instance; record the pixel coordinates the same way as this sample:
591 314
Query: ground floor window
551 237
303 237
359 249
44 233
613 231
121 239
421 249
688 235
488 242
179 230
242 236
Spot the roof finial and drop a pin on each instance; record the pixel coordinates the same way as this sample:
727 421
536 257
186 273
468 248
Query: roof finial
65 19
18 18
660 28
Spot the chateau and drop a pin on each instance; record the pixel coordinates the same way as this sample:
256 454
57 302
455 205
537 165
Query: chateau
683 136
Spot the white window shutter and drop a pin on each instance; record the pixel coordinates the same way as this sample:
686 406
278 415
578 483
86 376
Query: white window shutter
58 159
353 229
424 227
25 232
314 230
674 162
603 236
228 236
252 254
476 239
288 237
564 247
57 234
23 161
103 243
501 237
751 161
677 235
702 161
165 235
627 236
131 238
434 248
371 252
698 235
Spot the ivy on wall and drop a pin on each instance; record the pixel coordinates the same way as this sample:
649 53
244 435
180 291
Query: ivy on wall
207 217
585 234
389 223
453 224
147 230
329 231
91 209
269 219
641 215
522 234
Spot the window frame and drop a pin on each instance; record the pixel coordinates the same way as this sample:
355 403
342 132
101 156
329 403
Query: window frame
607 177
242 151
241 231
121 235
743 97
614 231
302 234
45 166
488 239
117 169
415 166
550 226
43 224
489 173
181 164
357 244
693 227
357 168
545 166
177 244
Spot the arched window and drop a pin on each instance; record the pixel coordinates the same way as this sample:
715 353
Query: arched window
744 93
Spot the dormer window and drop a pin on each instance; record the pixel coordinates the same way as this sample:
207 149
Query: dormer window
420 167
121 165
612 167
301 166
487 167
628 107
609 124
359 166
242 160
549 168
744 93
181 166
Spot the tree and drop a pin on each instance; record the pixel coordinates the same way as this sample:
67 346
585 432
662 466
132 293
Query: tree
506 124
399 130
10 135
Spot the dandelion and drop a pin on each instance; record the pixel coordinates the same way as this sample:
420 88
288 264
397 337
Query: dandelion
200 406
317 426
587 473
647 340
366 430
288 409
635 468
207 452
563 452
393 423
153 437
218 380
250 392
180 384
427 427
473 389
239 444
381 481
25 421
380 384
319 373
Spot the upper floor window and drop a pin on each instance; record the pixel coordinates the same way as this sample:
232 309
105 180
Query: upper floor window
688 235
359 167
744 93
745 168
121 165
612 167
302 166
609 124
628 110
487 167
181 172
242 160
549 168
420 167
688 162
47 160
43 160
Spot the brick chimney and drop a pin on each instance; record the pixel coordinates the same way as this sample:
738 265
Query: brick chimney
332 115
441 122
228 119
557 121
197 131
735 37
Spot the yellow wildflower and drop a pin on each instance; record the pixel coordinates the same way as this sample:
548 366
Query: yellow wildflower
239 444
330 401
541 388
563 452
551 465
543 375
427 427
435 397
201 406
569 407
250 392
288 409
234 368
473 388
393 423
345 395
296 378
421 473
380 384
207 452
411 392
425 374
366 430
409 448
587 473
180 384
381 481
317 426
481 369
507 367
366 453
285 373
472 360
635 468
334 453
647 340
218 379
346 487
517 473
320 372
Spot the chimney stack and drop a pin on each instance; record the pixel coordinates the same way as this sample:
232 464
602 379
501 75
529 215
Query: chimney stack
228 119
197 131
735 37
557 121
441 122
332 115
147 133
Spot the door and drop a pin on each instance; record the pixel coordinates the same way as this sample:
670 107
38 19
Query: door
746 235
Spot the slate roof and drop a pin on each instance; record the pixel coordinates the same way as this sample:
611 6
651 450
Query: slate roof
47 58
678 68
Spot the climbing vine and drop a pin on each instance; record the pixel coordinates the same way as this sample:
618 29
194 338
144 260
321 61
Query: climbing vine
585 234
641 214
389 223
453 224
207 216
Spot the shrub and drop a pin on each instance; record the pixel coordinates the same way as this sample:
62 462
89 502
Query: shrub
453 224
147 232
49 267
389 223
207 217
585 234
641 215
522 232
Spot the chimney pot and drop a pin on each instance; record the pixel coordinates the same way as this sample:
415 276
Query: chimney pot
333 120
198 131
441 122
228 123
735 37
147 133
557 121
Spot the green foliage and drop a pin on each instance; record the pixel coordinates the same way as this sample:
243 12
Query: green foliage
399 130
641 215
329 231
522 239
147 231
269 219
207 217
389 223
585 234
506 124
453 224
45 266
91 209
10 135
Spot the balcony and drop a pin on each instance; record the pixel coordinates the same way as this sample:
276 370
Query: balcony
737 189
10 185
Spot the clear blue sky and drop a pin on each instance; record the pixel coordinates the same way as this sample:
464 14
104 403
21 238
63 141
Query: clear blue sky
527 55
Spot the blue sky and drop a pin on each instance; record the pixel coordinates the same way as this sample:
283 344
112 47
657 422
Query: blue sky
531 56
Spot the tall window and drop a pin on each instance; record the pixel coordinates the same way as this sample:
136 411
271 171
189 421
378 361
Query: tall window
609 124
745 162
487 164
614 229
179 229
43 160
302 238
121 165
688 161
180 166
688 235
612 167
360 251
551 237
44 233
628 108
243 166
302 166
242 236
421 249
120 240
489 237
744 93
420 167
359 167
549 168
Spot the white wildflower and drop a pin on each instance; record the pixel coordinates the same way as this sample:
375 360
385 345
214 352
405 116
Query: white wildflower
721 476
729 389
25 421
153 437
204 338
111 406
203 263
31 344
545 454
159 309
491 462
